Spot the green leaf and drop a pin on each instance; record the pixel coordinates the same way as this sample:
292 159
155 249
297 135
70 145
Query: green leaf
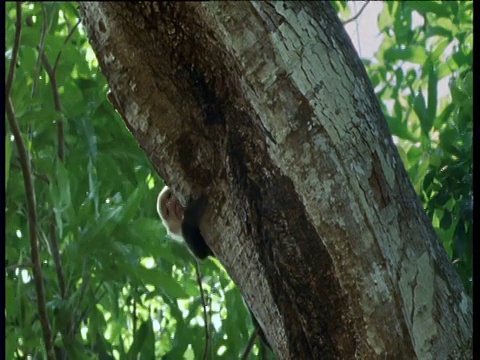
421 111
413 53
162 281
402 26
131 206
462 59
46 115
414 154
399 129
439 50
441 198
439 31
448 139
8 156
468 83
385 19
422 170
100 346
63 182
446 220
148 348
428 179
150 236
101 229
404 157
28 59
444 116
432 98
11 347
143 343
458 94
423 7
448 24
460 240
11 303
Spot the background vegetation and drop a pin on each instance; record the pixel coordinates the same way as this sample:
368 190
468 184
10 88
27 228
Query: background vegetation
113 286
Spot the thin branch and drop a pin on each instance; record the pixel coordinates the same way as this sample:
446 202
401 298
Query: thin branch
37 175
32 225
357 15
26 265
64 43
53 81
205 311
85 281
42 177
58 106
250 344
76 324
134 314
40 49
61 154
30 194
263 352
357 31
16 45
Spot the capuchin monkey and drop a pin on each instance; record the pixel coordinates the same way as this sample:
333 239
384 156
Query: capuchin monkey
182 225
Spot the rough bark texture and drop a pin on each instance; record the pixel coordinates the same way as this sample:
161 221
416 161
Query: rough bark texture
266 108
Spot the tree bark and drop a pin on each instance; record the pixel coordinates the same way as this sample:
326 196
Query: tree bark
267 109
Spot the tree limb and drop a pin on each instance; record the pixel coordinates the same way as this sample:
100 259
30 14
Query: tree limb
357 15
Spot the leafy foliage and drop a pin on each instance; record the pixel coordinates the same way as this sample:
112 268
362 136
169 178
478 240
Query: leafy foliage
127 293
114 288
434 135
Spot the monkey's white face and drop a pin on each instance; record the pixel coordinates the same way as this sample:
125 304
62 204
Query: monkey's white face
170 211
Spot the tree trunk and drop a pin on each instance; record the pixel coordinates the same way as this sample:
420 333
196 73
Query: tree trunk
267 109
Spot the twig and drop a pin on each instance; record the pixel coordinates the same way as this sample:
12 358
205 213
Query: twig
53 81
355 17
85 282
76 325
250 344
61 156
263 352
39 176
30 194
58 106
27 264
64 42
16 45
205 311
134 314
61 153
40 49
